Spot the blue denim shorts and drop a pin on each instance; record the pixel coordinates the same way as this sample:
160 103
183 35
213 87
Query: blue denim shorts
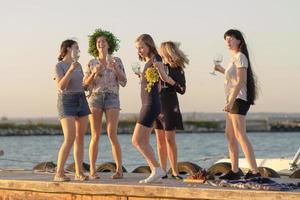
104 100
73 104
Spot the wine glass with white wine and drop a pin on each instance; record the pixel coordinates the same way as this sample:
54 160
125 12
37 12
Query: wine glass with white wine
94 63
217 61
75 54
108 60
136 68
166 68
106 68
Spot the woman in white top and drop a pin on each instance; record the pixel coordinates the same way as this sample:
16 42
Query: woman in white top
240 90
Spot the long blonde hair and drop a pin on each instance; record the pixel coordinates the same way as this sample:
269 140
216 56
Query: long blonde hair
148 41
172 55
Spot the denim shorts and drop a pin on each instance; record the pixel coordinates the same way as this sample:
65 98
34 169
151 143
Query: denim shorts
73 104
104 100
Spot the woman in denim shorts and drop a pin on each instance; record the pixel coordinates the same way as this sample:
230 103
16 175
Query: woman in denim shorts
103 75
72 109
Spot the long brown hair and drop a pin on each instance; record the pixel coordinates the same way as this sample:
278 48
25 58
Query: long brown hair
173 55
149 42
64 48
251 79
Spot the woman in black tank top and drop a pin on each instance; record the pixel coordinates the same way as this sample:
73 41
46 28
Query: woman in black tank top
170 120
150 110
151 106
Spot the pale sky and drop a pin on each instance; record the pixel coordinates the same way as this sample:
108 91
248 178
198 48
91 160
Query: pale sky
32 31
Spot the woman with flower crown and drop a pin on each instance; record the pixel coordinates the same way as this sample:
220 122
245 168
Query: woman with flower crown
151 106
103 75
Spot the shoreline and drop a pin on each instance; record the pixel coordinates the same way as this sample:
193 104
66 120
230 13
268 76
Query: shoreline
127 127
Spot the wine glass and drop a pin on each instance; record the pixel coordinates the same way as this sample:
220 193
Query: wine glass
136 68
94 63
75 57
217 61
166 68
107 59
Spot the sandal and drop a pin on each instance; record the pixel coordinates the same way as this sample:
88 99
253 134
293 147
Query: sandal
94 176
117 175
81 177
177 177
62 178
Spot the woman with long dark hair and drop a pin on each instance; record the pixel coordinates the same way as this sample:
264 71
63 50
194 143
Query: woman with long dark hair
241 93
151 106
73 109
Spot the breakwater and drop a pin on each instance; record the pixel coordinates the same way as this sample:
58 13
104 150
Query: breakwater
126 127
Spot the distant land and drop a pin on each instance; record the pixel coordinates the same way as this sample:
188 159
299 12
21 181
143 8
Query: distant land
187 116
193 123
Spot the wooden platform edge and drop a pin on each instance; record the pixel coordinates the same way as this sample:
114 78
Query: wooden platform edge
146 191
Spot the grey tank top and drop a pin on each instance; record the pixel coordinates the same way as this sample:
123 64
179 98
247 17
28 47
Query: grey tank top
75 84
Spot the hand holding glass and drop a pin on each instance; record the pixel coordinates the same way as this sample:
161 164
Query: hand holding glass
166 69
95 64
136 68
217 61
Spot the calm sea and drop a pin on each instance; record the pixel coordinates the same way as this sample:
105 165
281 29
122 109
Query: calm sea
204 149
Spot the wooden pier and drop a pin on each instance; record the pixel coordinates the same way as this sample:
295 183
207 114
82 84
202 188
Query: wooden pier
25 185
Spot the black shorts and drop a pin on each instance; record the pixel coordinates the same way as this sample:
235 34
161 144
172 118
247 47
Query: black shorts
240 107
148 114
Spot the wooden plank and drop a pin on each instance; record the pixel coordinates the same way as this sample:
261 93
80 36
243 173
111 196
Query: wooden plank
28 183
25 195
109 198
193 181
82 197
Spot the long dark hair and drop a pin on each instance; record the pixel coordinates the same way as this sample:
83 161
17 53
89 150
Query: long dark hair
149 42
251 79
64 48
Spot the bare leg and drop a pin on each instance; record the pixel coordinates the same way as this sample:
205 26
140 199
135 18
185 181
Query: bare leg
161 148
239 126
112 120
141 141
232 144
170 137
69 130
81 128
96 128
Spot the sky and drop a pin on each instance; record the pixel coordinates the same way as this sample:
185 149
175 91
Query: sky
32 31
